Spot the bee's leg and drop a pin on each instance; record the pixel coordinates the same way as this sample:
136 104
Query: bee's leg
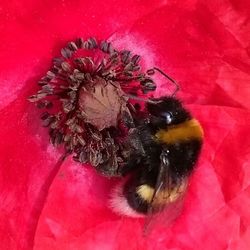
128 119
131 165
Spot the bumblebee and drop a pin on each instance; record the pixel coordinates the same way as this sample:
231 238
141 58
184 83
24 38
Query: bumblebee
162 150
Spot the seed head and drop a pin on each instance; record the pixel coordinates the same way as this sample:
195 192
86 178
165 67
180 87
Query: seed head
84 102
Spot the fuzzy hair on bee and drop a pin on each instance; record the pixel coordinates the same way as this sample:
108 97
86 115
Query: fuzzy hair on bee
163 149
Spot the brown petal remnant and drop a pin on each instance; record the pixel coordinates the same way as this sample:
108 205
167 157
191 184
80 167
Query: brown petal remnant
101 105
84 101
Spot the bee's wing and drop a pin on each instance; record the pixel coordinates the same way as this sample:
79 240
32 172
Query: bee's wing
167 200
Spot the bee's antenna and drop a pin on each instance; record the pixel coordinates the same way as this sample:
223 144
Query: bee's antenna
177 87
133 97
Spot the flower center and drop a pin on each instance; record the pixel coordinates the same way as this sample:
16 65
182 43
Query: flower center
85 103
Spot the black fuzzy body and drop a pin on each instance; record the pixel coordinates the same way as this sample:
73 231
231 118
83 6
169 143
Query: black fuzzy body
145 157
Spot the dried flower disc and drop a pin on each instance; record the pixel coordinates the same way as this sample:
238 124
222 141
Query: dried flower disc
84 104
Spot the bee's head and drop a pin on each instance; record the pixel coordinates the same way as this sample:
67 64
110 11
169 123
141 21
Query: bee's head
167 111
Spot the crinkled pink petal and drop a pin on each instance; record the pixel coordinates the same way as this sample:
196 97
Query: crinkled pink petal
204 45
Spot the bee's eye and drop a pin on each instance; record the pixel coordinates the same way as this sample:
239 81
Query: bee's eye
168 117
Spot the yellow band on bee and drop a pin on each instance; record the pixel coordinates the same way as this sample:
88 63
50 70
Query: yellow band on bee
164 196
185 131
145 192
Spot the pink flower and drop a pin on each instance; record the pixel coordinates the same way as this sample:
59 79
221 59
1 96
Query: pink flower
204 45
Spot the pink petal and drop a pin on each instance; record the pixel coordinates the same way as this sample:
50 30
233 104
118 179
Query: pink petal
204 45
